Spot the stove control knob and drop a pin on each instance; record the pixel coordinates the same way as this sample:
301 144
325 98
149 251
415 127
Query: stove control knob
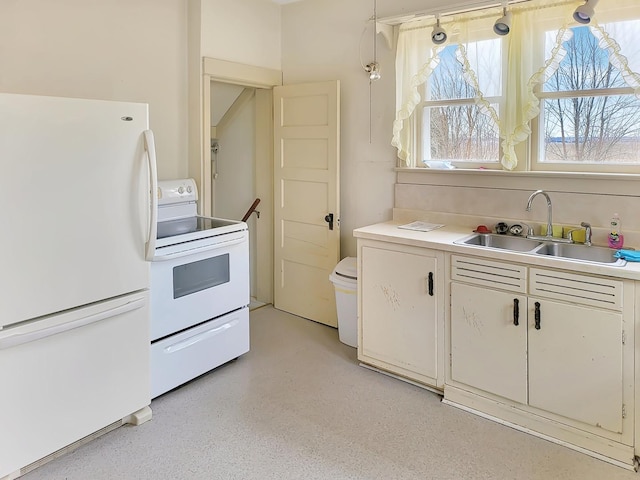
189 189
180 190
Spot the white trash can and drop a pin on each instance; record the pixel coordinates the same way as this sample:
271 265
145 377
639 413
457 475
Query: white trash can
345 282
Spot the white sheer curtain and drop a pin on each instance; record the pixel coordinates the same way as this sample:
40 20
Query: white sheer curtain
622 40
416 58
525 67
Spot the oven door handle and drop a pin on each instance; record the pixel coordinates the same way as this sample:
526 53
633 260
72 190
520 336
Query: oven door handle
195 251
188 342
150 149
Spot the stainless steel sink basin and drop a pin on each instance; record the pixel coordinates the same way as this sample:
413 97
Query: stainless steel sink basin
504 242
581 252
568 251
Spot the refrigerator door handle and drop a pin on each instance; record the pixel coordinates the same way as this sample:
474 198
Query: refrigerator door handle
150 148
32 336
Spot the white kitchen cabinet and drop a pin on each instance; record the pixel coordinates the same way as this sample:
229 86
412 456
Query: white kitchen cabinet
551 344
489 341
488 320
400 310
576 363
573 381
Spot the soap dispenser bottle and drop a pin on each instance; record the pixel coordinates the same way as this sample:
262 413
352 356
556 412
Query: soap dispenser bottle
615 237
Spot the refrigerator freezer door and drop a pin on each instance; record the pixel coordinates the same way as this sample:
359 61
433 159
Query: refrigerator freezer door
69 375
75 203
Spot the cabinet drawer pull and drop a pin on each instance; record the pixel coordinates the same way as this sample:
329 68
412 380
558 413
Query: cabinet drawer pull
537 315
430 284
516 311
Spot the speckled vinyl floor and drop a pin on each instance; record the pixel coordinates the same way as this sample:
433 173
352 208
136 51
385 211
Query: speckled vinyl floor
298 406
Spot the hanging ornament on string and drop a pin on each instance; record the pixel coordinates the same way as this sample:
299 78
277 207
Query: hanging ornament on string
372 68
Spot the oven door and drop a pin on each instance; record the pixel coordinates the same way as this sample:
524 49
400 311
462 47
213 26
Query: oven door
196 281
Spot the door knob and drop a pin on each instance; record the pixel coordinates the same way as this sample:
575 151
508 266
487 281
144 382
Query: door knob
329 219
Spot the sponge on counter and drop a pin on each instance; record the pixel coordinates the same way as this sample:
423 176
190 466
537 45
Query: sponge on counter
557 230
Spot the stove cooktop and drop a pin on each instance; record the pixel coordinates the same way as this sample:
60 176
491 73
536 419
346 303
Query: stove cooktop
181 226
188 229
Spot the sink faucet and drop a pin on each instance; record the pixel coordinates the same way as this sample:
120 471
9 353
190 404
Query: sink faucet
549 236
549 221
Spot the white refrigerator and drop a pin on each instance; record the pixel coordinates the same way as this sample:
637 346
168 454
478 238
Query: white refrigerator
77 221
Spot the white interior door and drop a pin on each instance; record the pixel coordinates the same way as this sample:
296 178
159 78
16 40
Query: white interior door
307 194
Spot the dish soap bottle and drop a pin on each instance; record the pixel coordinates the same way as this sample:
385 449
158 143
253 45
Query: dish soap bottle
615 238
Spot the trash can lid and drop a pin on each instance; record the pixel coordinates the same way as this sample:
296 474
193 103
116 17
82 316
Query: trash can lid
347 267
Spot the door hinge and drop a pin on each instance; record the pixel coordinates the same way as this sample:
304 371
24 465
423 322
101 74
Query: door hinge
624 411
624 338
450 360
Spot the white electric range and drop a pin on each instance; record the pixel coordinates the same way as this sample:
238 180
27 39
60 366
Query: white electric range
199 289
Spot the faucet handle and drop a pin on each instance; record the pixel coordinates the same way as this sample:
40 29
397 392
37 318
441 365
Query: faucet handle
587 233
570 234
529 229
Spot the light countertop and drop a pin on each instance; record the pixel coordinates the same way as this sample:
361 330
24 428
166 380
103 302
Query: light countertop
443 239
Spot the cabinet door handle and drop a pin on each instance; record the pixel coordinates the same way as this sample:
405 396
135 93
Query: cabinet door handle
516 311
430 282
537 315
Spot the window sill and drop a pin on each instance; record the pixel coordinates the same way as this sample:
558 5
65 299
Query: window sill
523 174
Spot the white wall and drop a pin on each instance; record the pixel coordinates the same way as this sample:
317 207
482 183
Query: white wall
235 185
127 50
246 31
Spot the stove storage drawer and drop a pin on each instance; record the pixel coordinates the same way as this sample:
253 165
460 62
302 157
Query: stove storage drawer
190 353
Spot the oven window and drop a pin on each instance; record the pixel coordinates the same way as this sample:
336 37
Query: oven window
196 276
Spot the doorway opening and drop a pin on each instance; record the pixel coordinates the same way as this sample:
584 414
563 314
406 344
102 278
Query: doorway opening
237 157
232 140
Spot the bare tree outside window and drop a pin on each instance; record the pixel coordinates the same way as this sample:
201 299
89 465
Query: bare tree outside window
590 114
454 127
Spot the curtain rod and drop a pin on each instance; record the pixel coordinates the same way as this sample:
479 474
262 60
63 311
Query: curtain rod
399 19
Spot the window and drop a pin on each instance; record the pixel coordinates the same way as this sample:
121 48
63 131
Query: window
567 98
589 115
454 127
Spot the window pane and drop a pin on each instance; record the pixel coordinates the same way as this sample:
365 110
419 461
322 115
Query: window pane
447 81
485 59
460 132
585 67
603 129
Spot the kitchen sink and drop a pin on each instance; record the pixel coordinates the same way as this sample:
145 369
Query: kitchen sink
581 252
503 242
568 251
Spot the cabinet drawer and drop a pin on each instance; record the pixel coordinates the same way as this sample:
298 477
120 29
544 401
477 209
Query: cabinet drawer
478 271
576 288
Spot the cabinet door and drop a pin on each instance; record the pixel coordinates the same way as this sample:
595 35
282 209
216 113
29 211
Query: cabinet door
399 310
489 340
575 363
